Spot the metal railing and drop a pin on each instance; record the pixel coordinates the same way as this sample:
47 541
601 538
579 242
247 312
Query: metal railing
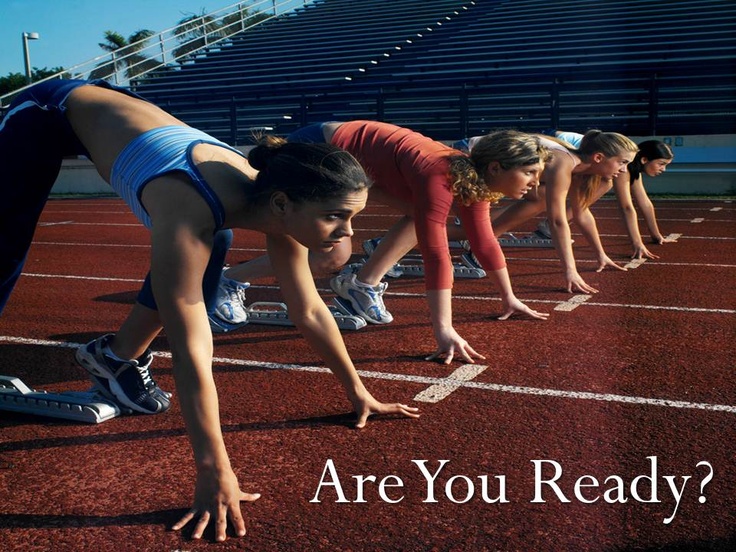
169 48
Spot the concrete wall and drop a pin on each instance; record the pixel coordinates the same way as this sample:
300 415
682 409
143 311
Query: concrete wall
716 177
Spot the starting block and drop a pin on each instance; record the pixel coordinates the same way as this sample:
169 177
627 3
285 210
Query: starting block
531 240
79 406
459 270
276 314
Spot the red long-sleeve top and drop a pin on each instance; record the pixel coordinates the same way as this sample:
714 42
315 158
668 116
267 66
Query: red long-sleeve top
415 169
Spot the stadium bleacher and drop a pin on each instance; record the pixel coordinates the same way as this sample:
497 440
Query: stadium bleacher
453 68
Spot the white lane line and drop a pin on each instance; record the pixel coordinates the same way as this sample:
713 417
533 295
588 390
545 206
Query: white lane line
572 303
568 305
716 209
71 277
511 389
435 393
697 220
55 223
592 261
106 224
672 238
126 245
635 263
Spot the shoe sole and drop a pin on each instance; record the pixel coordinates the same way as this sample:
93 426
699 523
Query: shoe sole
87 361
347 308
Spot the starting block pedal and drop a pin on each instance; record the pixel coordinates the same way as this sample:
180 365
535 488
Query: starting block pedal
277 314
342 307
79 406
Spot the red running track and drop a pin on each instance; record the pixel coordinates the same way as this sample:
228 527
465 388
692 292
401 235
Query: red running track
626 401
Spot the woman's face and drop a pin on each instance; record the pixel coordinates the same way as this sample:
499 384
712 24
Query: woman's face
514 182
320 225
655 167
611 167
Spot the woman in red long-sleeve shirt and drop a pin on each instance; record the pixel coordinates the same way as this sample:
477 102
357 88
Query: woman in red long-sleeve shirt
426 180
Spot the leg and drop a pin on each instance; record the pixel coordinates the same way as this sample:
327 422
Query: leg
520 211
30 156
398 241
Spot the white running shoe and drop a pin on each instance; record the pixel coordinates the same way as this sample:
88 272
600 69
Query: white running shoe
367 300
231 301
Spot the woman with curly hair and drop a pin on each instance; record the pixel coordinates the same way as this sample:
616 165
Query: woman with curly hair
186 187
425 180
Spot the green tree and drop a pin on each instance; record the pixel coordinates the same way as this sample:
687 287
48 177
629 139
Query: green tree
194 32
15 81
126 55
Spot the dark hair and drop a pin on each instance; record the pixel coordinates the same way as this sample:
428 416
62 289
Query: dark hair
650 150
304 172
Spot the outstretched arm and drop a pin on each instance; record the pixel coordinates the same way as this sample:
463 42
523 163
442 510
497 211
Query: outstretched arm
558 178
179 260
588 226
181 244
485 247
647 210
623 195
310 314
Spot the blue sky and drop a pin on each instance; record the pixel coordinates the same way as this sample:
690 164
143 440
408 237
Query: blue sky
70 30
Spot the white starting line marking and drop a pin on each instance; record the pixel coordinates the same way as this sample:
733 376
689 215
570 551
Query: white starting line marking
672 238
514 389
453 382
697 220
55 223
572 303
635 263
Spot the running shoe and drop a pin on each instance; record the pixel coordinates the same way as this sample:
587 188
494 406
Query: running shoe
369 246
467 256
366 300
543 230
231 301
126 382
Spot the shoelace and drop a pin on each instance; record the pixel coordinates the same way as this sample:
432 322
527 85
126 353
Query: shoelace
240 294
146 377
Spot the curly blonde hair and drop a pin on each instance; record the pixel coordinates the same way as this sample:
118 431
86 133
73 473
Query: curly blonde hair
510 148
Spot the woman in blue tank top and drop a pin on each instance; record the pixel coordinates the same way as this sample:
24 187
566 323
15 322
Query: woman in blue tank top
188 188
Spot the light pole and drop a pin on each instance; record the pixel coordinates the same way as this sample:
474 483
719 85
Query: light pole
26 55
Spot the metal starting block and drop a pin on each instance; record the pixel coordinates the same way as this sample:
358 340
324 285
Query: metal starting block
79 406
527 241
276 314
459 270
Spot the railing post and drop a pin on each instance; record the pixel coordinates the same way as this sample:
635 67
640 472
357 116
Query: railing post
233 122
114 67
303 108
554 114
464 112
653 105
163 48
380 102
